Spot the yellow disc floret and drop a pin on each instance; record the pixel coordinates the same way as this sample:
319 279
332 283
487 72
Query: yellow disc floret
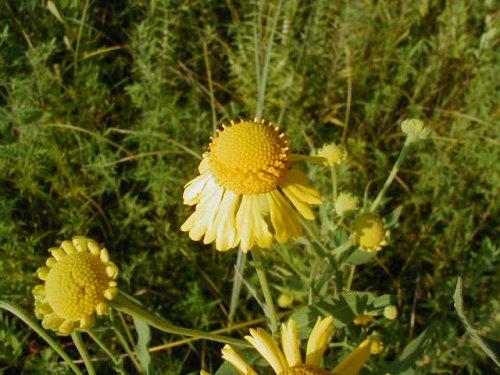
76 285
248 157
79 278
369 232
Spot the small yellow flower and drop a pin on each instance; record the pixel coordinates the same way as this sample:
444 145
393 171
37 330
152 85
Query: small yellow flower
346 202
288 359
78 279
285 300
369 232
363 319
415 128
334 154
391 312
246 192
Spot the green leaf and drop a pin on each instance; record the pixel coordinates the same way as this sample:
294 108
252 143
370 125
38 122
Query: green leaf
392 218
380 303
358 256
405 364
343 308
55 12
485 345
142 346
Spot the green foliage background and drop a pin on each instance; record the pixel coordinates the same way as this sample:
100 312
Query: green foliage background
105 108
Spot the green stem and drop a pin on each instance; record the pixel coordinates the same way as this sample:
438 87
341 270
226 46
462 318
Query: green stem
123 341
128 333
351 277
33 324
266 291
333 171
210 86
316 239
311 292
79 36
84 354
344 247
238 277
126 305
392 175
103 346
262 83
258 110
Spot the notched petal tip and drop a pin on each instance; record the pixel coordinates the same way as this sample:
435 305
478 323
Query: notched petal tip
110 293
43 273
68 247
112 270
67 327
39 290
80 243
50 262
104 255
87 322
58 253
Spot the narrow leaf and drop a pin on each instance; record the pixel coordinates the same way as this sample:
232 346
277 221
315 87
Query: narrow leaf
459 307
142 346
405 364
55 12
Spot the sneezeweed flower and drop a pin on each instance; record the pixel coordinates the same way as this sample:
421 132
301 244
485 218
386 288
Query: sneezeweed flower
288 360
346 202
333 154
391 312
415 129
285 300
78 280
369 232
363 319
247 193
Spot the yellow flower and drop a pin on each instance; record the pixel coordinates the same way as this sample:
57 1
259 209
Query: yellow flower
288 359
246 192
363 319
334 154
79 278
415 129
369 232
345 203
391 312
285 300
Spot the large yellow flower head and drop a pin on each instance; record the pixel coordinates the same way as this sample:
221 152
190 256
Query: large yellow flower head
78 279
246 192
288 360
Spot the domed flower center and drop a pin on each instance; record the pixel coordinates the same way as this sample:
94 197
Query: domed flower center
248 158
76 284
370 231
305 370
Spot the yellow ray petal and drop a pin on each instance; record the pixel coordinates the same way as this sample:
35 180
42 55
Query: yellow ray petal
193 189
265 345
297 188
207 208
223 231
239 364
351 364
283 217
316 345
251 224
290 343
